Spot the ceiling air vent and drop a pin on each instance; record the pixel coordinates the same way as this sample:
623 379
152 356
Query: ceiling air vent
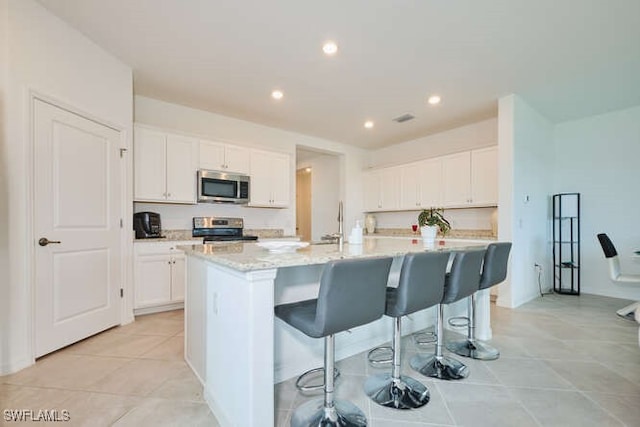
404 118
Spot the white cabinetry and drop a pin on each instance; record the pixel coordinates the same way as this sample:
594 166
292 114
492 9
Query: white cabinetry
224 157
421 184
381 190
165 167
484 177
456 179
270 179
159 276
466 179
471 178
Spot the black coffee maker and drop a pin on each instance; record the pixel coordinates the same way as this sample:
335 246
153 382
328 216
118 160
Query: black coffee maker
147 225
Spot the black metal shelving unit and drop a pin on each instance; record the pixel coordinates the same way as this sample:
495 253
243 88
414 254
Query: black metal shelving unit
566 243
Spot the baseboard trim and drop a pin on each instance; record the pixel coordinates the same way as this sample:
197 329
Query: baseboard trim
158 308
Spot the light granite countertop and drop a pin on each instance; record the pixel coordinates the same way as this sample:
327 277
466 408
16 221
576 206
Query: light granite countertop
248 256
186 235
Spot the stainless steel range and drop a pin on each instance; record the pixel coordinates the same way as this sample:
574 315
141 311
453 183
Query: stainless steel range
219 229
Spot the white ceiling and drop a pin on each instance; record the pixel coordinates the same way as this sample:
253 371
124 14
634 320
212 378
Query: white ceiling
567 58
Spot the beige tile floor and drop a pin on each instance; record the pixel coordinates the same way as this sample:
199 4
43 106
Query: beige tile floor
134 375
566 361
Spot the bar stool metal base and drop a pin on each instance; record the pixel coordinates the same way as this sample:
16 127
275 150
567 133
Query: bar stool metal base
377 356
341 414
473 349
444 368
305 377
424 338
402 393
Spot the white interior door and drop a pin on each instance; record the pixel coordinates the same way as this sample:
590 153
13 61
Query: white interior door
77 185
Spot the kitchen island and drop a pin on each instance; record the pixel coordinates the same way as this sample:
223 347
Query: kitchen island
232 341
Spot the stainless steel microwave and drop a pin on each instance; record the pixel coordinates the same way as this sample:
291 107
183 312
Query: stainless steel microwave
222 187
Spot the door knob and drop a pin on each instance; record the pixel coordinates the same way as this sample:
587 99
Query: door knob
44 241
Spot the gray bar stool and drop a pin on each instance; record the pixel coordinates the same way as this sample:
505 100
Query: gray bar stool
461 282
352 293
494 271
421 286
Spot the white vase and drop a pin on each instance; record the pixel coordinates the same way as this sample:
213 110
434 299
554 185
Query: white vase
429 233
370 224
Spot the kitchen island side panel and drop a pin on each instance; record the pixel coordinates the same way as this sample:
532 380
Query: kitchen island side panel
195 317
239 345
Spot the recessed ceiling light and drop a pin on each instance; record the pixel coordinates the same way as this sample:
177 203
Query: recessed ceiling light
434 99
368 124
330 48
307 170
277 94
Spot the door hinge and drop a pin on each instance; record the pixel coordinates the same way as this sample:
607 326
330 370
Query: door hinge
121 223
121 293
122 151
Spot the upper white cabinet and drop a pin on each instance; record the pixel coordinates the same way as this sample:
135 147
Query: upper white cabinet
471 178
165 167
484 176
466 179
421 184
456 179
381 190
270 179
224 157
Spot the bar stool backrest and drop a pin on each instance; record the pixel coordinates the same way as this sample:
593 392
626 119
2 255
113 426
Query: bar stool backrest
352 293
494 268
464 278
421 283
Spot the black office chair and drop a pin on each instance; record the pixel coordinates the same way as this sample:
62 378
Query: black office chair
615 275
352 293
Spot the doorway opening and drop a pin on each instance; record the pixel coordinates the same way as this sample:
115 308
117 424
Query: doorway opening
318 192
303 203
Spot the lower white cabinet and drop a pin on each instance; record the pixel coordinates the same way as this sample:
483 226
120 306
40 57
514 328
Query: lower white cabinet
159 276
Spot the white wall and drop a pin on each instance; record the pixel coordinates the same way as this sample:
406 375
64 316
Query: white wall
460 219
525 175
47 56
476 135
221 128
4 193
599 158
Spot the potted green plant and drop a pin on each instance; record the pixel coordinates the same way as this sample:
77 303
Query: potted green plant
431 221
